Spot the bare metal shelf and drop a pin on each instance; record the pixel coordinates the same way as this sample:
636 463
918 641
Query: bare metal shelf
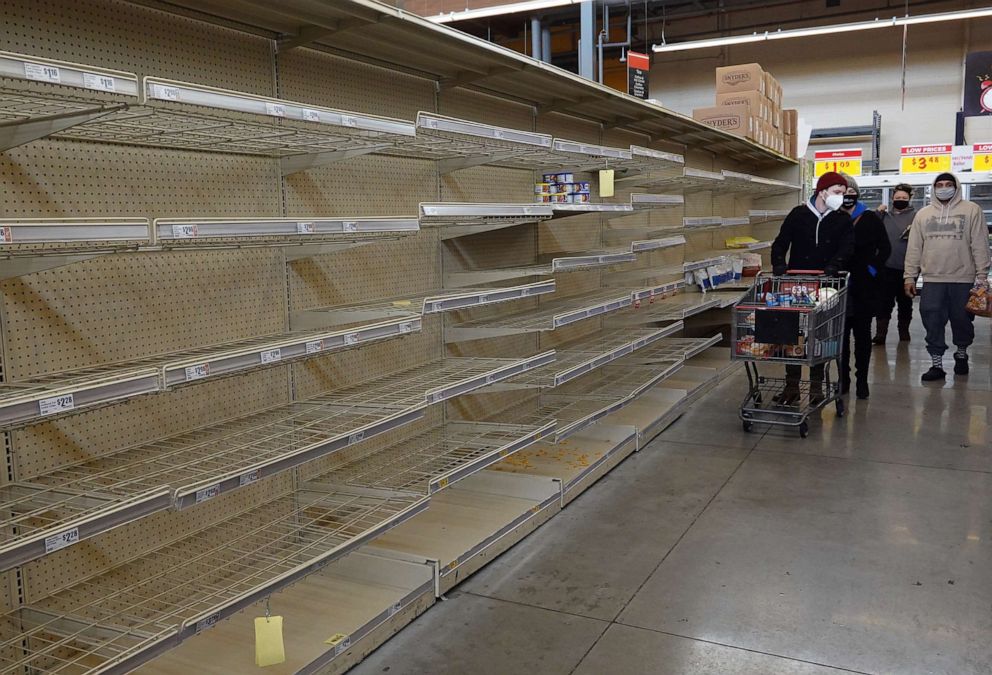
674 348
436 458
422 304
563 263
77 501
686 180
644 201
756 185
713 222
672 308
767 215
461 219
118 619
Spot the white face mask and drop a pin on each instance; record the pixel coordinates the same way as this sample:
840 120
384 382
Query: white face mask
944 194
833 201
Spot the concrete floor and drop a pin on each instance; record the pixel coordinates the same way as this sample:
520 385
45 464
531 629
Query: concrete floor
865 548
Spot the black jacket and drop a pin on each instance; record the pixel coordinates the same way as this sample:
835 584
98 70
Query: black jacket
830 249
871 248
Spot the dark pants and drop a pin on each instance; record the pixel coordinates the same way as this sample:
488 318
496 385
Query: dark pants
940 302
893 294
859 324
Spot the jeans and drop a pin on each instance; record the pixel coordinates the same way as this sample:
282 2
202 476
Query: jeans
859 324
940 302
894 294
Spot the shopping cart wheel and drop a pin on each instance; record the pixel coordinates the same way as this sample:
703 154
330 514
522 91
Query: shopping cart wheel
747 425
840 407
804 430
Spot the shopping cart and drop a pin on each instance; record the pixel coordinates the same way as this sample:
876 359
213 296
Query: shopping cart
796 320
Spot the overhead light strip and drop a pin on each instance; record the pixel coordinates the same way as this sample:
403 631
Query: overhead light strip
497 10
824 30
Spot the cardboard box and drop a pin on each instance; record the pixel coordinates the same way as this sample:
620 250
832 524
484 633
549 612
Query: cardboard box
736 119
790 120
760 105
791 147
745 77
777 117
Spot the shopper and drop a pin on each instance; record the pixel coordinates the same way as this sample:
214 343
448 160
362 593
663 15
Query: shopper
897 221
949 245
816 235
864 295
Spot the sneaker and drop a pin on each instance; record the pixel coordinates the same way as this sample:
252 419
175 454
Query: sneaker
960 364
934 374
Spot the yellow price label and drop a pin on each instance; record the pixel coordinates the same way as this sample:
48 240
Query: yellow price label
925 164
982 162
852 167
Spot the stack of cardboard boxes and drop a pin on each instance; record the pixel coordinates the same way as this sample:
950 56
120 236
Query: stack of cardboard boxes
749 104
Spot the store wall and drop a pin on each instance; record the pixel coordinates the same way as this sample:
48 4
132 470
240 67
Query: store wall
838 80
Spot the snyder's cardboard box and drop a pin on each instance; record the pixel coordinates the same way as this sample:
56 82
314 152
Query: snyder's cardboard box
791 149
745 77
761 107
790 121
777 117
773 90
737 119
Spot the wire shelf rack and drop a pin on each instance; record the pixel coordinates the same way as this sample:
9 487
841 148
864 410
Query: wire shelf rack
437 457
669 349
644 201
42 398
116 620
566 262
672 308
767 215
461 219
64 506
422 304
685 180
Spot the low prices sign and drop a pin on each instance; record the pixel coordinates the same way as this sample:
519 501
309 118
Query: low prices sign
981 159
846 161
925 158
638 66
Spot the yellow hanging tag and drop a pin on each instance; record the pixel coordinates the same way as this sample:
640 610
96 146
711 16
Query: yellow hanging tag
269 648
606 183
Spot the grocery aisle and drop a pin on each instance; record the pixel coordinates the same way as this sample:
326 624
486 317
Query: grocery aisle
865 548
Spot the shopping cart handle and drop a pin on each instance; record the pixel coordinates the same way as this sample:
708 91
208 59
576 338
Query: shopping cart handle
807 273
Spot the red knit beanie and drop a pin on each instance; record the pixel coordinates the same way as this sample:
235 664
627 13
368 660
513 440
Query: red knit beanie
829 179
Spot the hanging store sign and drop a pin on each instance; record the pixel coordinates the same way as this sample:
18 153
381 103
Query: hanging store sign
925 158
842 161
978 84
638 66
981 159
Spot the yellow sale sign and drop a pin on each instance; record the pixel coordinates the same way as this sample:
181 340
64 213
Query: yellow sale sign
842 161
925 158
982 157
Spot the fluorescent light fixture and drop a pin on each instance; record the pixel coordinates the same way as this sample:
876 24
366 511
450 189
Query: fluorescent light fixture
824 30
497 10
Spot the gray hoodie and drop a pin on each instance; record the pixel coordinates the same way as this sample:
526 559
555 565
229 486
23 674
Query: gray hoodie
896 225
948 243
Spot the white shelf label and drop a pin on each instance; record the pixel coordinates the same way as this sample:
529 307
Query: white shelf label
248 478
315 346
37 71
99 82
61 540
349 121
56 404
306 228
351 339
349 226
184 231
483 298
406 327
209 622
311 115
207 493
394 609
275 109
197 372
356 437
271 355
490 378
6 236
165 93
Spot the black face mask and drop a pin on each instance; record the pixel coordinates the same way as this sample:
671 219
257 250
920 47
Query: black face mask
901 204
850 201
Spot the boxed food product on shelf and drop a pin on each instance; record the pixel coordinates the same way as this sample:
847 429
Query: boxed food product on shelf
737 119
761 107
743 77
790 120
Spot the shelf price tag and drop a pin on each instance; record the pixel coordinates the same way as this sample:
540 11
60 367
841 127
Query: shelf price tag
209 622
188 231
311 115
406 327
349 226
925 158
982 157
315 346
847 161
42 73
99 82
248 478
6 236
349 121
271 355
339 641
197 372
351 339
165 93
306 228
207 493
275 109
356 437
61 540
56 404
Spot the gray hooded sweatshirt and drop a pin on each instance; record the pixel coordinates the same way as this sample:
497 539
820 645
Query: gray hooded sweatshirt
948 242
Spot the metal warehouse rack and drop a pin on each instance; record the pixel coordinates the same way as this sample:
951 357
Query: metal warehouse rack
41 398
56 509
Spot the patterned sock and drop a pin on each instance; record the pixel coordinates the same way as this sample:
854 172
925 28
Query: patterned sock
937 361
961 353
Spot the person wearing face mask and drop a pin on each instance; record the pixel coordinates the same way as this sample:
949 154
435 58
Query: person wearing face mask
949 245
816 235
897 221
864 296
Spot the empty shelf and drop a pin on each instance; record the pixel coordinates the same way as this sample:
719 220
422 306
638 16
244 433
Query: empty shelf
566 262
685 181
460 144
562 210
670 348
460 219
119 619
436 458
713 222
77 501
672 308
767 215
435 302
41 398
641 201
756 185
